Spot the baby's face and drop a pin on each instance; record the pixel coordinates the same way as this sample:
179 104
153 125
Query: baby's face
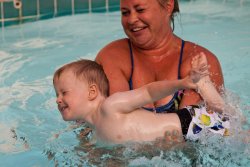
72 96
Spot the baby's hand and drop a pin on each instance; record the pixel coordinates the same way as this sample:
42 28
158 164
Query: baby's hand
199 67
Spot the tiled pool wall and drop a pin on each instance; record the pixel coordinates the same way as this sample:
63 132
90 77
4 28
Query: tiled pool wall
19 11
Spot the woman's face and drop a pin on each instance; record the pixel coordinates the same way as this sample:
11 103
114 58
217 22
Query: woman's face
145 22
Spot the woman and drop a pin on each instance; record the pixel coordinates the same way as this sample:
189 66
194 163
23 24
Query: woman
153 52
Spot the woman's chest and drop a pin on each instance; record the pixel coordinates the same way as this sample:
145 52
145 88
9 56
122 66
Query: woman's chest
144 72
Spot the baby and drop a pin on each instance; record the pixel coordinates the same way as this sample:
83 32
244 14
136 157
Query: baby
82 94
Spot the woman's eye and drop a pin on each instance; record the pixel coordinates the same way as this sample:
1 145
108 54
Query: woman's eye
140 10
124 13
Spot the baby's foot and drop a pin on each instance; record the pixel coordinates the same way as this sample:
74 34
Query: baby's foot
199 63
200 75
199 67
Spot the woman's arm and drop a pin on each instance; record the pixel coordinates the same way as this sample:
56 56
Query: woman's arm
207 89
191 97
115 60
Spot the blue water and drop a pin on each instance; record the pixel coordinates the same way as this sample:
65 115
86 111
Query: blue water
32 131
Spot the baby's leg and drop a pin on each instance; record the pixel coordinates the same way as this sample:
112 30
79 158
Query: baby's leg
205 86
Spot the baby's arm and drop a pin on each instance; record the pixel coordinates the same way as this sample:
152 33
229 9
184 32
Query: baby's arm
206 88
131 100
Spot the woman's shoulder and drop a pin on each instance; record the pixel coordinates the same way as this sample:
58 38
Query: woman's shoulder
114 46
192 49
115 49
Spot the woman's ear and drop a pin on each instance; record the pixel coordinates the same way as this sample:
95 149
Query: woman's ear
170 7
93 92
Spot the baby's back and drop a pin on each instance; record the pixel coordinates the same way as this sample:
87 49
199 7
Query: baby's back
139 125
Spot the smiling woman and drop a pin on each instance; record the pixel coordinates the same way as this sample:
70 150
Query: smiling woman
152 52
141 25
32 130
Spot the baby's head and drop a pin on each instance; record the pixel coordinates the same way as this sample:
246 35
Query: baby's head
78 85
86 70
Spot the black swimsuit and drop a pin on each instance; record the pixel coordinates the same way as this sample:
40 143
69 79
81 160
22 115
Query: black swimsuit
173 104
185 115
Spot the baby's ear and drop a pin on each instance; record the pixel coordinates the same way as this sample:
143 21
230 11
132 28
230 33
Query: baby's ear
93 92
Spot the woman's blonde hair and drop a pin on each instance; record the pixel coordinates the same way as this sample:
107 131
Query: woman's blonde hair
175 10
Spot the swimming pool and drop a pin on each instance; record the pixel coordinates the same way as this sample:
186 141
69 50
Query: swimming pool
32 131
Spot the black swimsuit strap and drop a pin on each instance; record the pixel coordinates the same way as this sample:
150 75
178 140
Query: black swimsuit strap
132 65
132 62
180 60
175 96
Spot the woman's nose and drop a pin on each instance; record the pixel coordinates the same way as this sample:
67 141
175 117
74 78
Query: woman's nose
132 18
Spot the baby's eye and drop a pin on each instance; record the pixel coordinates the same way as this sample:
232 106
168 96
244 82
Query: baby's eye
64 92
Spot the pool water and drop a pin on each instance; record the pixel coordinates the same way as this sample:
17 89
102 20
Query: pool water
32 130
